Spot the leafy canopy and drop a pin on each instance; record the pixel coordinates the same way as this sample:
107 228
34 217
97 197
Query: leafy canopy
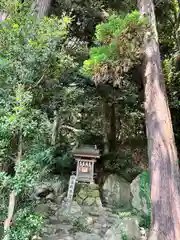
31 53
121 39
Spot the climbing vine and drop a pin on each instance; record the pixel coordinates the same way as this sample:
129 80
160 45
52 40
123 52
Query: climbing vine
144 193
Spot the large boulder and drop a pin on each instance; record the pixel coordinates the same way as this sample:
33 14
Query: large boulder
140 190
116 192
126 228
50 189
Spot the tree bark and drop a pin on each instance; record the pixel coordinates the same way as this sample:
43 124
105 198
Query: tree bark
109 126
105 108
112 133
43 7
162 153
2 16
54 128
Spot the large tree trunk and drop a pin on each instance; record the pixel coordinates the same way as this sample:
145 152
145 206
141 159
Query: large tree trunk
162 153
43 7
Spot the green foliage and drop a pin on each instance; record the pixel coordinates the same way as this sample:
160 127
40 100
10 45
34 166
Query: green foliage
5 187
122 38
124 236
38 75
78 226
145 222
31 50
10 6
145 188
31 53
27 173
27 224
125 214
117 25
117 162
145 194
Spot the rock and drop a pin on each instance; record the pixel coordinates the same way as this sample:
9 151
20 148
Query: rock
126 228
116 192
43 190
60 198
95 193
52 237
82 194
36 238
86 236
88 194
144 233
89 201
43 209
79 201
56 186
75 208
50 197
68 238
59 187
140 190
89 220
98 202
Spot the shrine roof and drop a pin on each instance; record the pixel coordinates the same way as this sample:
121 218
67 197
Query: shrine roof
87 150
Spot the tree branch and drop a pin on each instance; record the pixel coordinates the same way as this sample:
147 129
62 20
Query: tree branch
75 130
36 84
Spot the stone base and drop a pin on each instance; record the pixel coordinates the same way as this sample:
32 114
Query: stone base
87 195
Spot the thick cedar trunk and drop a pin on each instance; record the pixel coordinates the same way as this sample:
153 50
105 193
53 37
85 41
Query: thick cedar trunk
43 7
12 198
162 153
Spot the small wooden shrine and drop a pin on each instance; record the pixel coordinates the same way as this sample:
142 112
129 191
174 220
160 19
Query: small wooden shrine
86 157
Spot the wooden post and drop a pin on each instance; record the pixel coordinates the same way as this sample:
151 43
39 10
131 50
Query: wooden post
77 168
92 173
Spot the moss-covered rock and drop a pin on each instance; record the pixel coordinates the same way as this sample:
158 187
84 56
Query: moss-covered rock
90 201
140 189
88 194
82 194
95 193
126 228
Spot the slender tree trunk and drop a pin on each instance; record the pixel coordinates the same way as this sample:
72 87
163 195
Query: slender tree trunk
2 16
162 153
12 198
43 7
54 128
109 126
112 133
105 125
